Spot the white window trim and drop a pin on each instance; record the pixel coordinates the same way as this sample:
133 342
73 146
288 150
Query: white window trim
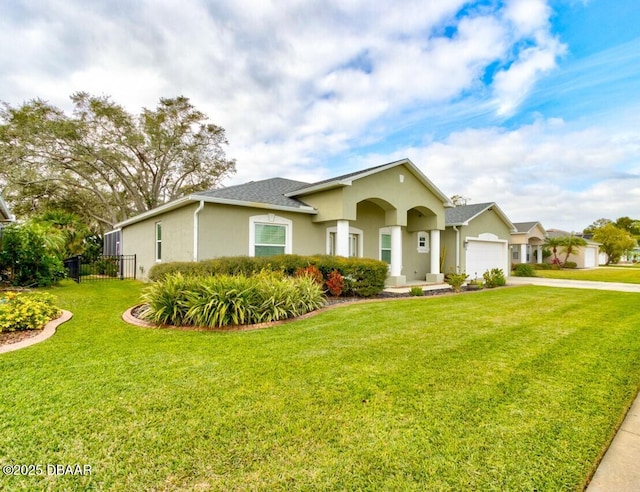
270 219
386 231
352 230
423 235
158 241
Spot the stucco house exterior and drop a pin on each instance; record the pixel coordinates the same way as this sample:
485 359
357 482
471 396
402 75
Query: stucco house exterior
391 212
476 239
527 242
586 256
5 213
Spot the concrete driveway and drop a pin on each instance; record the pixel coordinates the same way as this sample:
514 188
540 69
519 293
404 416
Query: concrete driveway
574 284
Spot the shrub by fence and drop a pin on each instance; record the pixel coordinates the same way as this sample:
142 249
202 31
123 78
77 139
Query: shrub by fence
362 277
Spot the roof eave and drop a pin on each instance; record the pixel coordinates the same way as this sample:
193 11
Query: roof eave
181 202
348 182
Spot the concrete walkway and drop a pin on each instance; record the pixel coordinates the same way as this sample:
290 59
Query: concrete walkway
619 470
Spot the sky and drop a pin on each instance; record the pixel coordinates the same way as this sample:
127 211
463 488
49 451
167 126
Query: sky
532 104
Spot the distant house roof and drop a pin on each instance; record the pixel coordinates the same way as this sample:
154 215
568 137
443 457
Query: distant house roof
5 213
463 214
524 227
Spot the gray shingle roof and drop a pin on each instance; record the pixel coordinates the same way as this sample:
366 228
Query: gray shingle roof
524 226
462 213
268 191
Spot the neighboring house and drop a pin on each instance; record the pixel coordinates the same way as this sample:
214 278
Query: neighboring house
476 239
391 212
527 242
586 257
5 213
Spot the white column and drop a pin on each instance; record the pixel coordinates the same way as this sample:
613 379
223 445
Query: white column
435 252
342 238
396 251
523 253
539 254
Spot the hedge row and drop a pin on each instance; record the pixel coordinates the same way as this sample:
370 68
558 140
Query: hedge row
363 277
225 300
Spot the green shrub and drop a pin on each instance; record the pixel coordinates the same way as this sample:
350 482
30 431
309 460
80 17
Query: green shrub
542 266
494 278
455 280
24 254
362 277
570 264
524 270
26 311
416 292
225 300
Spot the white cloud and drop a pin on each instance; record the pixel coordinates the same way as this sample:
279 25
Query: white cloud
296 84
549 171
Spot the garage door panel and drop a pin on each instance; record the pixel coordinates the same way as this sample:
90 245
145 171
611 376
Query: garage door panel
485 255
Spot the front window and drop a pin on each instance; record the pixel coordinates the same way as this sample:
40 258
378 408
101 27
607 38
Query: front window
270 239
270 235
385 247
355 242
158 241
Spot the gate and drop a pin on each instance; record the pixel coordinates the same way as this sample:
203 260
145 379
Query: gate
106 267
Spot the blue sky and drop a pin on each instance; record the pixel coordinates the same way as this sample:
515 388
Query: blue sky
533 104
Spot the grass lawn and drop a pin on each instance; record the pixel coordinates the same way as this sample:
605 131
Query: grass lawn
629 275
510 389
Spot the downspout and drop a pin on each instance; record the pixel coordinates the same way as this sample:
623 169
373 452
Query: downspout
455 228
196 228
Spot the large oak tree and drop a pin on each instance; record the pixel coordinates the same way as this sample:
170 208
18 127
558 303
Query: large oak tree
103 163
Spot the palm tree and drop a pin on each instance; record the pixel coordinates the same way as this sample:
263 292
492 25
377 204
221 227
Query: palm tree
553 243
571 244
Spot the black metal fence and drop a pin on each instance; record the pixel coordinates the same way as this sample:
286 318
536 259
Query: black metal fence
115 267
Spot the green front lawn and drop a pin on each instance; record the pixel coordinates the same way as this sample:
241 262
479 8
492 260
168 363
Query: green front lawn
627 275
510 389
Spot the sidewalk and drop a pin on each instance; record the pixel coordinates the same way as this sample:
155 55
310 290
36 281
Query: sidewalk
619 469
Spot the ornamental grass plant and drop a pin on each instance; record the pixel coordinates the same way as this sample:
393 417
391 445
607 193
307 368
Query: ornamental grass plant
226 300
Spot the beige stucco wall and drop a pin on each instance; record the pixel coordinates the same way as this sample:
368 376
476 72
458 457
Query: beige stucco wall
177 238
224 231
395 196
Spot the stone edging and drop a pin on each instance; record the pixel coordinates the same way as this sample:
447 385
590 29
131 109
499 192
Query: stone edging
132 320
48 331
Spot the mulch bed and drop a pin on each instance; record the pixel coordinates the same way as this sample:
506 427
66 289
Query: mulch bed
132 315
9 337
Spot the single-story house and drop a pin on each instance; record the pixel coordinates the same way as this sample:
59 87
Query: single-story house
391 212
586 256
5 213
476 239
527 242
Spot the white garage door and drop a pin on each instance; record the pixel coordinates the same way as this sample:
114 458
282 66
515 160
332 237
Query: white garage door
483 255
590 257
